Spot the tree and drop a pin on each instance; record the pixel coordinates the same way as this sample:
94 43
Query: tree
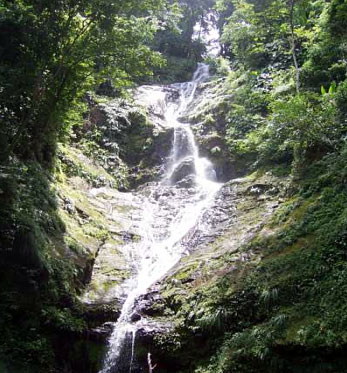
301 124
263 32
293 45
254 32
178 44
53 51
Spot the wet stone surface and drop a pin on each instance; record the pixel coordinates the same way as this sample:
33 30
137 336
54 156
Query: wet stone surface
237 212
240 210
169 215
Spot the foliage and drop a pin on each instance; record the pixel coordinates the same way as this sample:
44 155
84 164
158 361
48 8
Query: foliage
34 277
283 310
179 44
301 124
267 120
253 30
283 81
53 52
273 314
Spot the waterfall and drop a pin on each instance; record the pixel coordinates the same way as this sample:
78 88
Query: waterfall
171 210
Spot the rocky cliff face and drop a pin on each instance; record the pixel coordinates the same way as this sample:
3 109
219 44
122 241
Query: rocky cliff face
119 148
253 291
252 294
217 247
66 238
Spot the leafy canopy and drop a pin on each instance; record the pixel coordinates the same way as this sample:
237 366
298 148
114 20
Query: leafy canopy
53 51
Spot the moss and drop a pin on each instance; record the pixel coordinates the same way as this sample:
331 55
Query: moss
43 276
184 275
295 272
75 163
275 303
100 286
58 229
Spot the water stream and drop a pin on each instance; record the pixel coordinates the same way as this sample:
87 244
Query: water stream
171 211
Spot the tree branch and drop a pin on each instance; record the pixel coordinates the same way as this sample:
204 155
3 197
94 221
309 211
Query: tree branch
150 366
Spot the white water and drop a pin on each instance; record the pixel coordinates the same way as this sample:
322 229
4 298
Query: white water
170 214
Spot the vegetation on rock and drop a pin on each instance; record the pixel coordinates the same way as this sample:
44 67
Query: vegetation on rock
268 288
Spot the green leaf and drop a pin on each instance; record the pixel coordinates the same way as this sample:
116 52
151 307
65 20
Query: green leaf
332 88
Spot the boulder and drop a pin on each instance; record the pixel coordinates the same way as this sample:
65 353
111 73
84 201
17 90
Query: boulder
185 168
187 182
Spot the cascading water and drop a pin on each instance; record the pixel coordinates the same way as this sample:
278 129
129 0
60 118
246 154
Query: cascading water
171 211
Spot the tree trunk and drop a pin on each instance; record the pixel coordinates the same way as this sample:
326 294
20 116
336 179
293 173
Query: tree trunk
293 46
150 366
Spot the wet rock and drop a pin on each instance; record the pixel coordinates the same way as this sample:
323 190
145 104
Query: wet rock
150 304
239 212
183 169
101 333
135 317
234 218
99 313
148 328
187 182
183 143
